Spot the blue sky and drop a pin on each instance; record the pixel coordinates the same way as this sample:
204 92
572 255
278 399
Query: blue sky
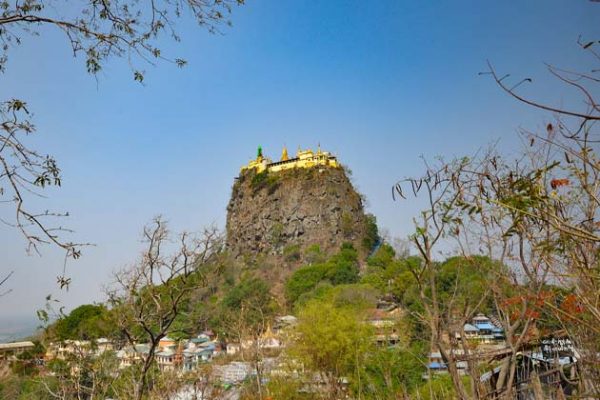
378 83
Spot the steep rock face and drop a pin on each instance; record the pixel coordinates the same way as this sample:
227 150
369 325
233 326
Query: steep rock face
271 212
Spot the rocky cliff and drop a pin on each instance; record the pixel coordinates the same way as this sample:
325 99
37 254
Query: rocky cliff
279 213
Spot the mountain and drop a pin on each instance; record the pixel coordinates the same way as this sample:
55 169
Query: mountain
283 208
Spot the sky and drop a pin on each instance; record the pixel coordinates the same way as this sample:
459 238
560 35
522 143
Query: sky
380 84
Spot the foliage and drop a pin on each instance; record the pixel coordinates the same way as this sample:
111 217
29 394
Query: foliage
264 180
27 363
152 294
292 253
96 30
371 237
536 214
286 388
346 224
439 388
464 279
392 373
355 296
24 171
26 388
88 321
313 254
339 269
304 280
332 341
100 30
394 277
276 234
248 305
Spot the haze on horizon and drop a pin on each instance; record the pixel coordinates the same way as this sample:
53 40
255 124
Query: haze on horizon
377 83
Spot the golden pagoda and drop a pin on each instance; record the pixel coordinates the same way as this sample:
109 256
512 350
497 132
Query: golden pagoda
303 159
284 154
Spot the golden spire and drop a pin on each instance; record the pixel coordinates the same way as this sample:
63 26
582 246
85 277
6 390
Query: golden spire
268 334
284 154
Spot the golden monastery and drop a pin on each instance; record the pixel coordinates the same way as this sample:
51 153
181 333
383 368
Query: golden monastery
303 159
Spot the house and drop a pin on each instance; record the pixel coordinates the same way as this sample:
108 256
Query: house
233 348
166 342
11 350
385 322
130 355
193 357
103 344
471 331
483 330
168 359
437 365
198 350
78 348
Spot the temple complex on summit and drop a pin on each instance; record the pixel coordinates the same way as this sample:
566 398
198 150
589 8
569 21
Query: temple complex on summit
303 159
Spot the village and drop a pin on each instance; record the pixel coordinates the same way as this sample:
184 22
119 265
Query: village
234 362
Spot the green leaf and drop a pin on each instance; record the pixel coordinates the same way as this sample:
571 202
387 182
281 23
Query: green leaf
138 76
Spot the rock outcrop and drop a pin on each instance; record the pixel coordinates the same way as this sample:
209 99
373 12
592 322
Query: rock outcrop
270 213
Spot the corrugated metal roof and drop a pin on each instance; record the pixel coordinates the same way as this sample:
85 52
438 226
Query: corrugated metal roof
15 345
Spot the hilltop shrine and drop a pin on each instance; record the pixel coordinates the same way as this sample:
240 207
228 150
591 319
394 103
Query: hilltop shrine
303 159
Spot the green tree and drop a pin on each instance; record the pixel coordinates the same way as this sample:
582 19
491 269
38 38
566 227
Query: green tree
88 321
26 363
371 237
304 280
248 304
392 373
153 293
332 342
438 388
341 268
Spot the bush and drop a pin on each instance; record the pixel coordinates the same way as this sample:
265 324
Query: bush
304 280
89 321
314 255
263 180
291 253
342 268
251 294
371 237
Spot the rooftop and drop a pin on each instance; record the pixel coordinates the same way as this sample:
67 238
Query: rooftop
15 345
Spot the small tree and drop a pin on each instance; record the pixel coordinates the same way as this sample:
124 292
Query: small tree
332 342
151 294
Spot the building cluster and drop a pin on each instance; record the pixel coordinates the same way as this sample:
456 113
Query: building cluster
182 355
481 333
171 354
302 159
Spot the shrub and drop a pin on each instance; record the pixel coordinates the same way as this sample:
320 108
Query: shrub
263 180
371 237
291 253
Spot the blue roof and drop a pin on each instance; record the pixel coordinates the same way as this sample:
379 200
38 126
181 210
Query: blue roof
485 325
436 365
470 328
